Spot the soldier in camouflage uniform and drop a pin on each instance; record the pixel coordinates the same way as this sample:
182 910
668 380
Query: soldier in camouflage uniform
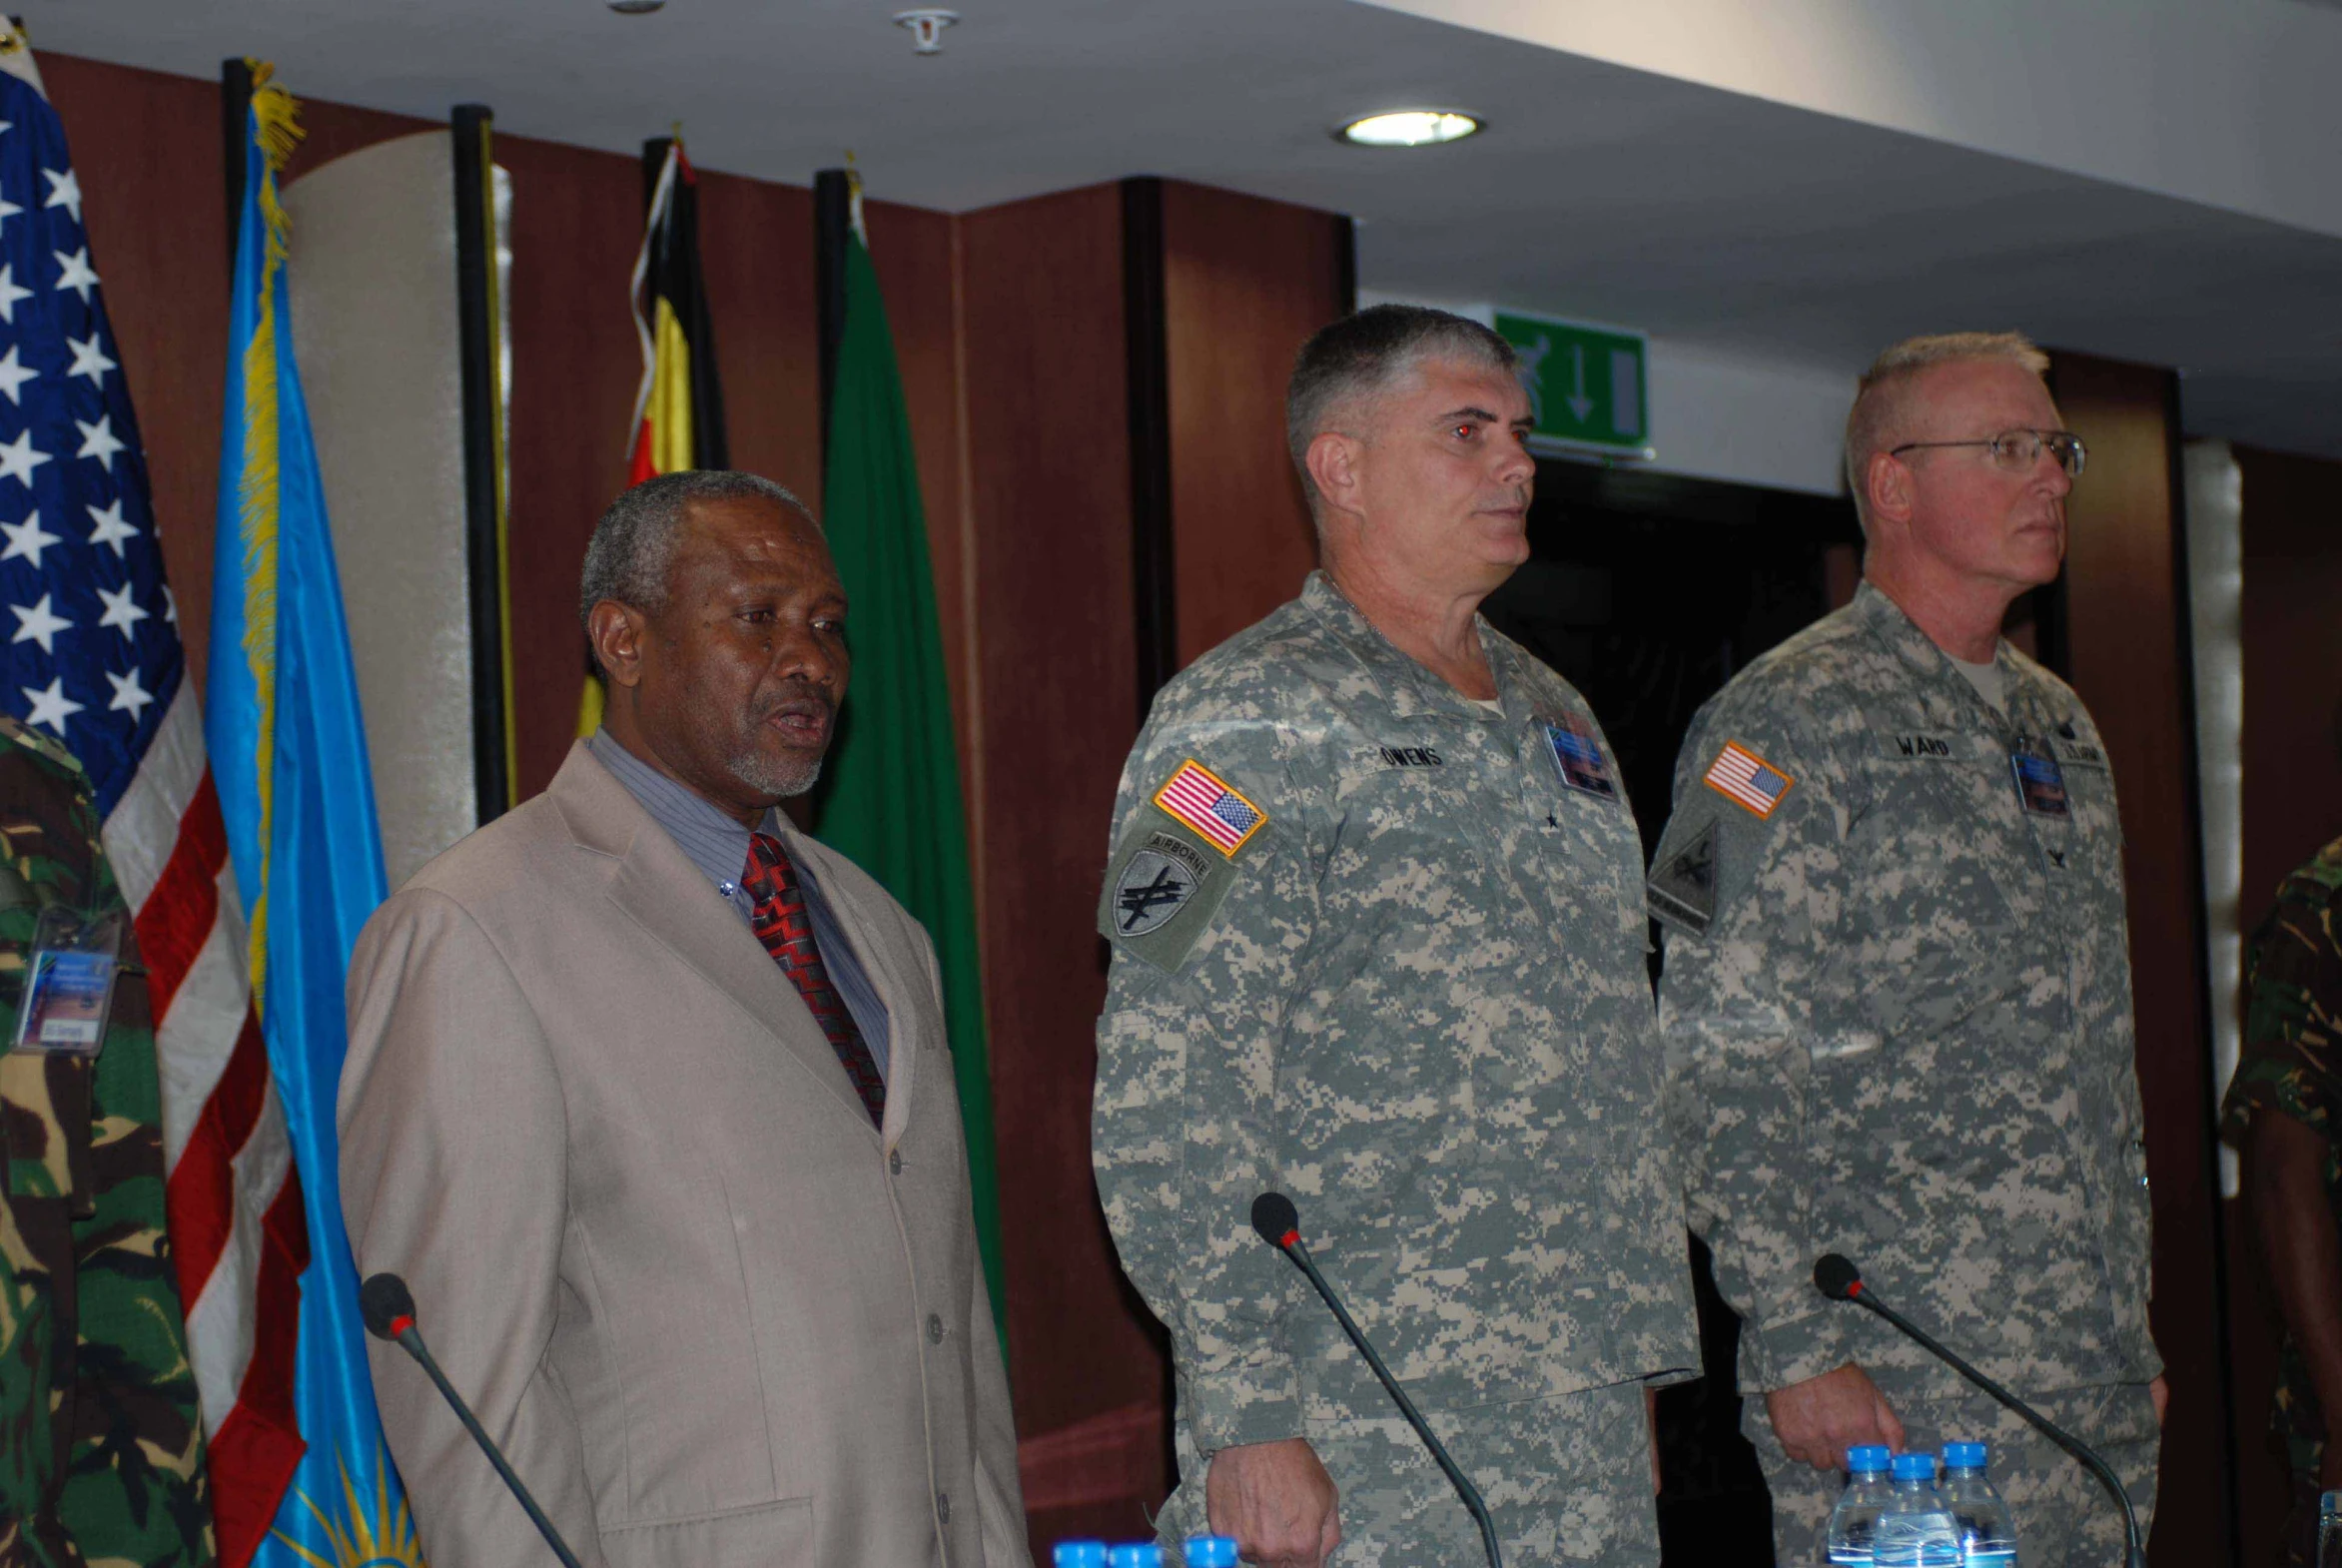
1896 998
101 1451
1374 905
2293 1163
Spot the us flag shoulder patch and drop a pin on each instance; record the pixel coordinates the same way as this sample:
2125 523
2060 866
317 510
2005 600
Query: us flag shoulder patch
1747 780
1200 800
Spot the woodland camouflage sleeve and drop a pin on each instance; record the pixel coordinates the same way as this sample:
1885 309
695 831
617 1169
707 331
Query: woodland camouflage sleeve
116 1415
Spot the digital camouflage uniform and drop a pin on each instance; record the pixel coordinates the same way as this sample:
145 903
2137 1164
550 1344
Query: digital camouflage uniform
101 1449
1897 1014
1414 997
2293 1017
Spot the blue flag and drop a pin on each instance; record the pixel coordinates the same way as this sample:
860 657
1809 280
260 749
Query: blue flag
289 751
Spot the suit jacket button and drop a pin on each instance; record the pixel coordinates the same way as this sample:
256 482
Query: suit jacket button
943 1508
935 1329
895 1161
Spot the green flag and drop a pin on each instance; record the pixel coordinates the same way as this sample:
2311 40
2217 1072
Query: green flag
891 800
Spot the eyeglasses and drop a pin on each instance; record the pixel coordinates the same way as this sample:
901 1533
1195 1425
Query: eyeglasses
2018 450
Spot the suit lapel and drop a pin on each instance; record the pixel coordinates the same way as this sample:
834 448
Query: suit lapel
655 885
878 958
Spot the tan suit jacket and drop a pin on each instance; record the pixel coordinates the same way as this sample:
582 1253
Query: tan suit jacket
716 1319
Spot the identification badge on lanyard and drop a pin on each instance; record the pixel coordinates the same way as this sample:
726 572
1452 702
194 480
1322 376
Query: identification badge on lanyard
69 983
1577 757
2040 783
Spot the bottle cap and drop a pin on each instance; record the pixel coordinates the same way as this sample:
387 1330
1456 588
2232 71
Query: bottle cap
1915 1467
1140 1554
1079 1554
1212 1551
1866 1459
1965 1456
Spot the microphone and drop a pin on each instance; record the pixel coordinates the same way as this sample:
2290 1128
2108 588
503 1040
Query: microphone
1837 1277
1280 1224
388 1309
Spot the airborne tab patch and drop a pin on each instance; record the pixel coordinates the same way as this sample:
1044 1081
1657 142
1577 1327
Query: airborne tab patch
1747 780
1196 797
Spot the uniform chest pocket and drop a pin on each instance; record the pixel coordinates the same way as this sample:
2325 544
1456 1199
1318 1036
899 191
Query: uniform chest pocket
2088 854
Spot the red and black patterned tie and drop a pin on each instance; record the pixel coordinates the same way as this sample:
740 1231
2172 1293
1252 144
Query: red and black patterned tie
782 923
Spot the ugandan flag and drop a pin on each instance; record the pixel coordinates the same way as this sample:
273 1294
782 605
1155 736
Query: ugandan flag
679 409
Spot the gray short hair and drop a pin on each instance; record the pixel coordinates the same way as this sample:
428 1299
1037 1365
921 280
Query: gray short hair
1879 416
1361 356
633 546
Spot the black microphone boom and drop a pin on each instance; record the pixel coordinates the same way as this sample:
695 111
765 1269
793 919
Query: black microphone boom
388 1309
1837 1277
1280 1224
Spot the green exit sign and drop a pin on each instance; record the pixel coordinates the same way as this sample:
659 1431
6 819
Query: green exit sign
1587 389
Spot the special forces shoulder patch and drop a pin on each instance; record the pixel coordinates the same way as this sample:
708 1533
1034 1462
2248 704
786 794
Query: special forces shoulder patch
1156 881
1682 891
1747 780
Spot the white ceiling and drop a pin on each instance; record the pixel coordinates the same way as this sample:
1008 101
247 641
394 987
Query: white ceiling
1600 191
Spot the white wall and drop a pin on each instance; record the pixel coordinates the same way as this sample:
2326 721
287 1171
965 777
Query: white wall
1719 415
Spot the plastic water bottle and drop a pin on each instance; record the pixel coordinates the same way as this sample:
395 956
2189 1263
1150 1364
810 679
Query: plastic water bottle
1210 1551
1856 1517
1079 1554
1988 1535
1915 1528
1138 1554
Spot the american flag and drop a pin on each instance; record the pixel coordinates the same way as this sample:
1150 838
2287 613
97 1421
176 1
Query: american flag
1741 775
1197 798
92 654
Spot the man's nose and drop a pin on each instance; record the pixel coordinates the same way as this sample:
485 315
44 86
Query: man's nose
804 653
1515 463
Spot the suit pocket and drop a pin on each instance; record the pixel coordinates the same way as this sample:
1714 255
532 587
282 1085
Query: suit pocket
769 1535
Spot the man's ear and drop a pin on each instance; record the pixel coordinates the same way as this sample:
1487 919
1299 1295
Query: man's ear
1333 461
617 633
1887 483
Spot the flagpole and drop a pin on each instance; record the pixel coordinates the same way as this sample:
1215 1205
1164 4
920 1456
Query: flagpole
833 203
473 132
1154 605
236 132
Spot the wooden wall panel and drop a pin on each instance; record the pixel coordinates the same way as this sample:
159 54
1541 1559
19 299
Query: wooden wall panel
1051 501
2292 805
330 129
147 150
2292 616
1246 281
2127 606
576 224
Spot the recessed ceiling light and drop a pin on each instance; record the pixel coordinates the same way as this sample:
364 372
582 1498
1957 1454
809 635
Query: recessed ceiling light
1409 127
635 7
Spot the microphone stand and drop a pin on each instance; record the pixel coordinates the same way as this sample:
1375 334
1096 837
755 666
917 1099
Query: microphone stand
2135 1549
1279 1227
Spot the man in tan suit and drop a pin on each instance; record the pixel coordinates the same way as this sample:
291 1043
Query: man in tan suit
649 1097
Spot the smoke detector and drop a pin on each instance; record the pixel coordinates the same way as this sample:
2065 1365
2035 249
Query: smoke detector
926 26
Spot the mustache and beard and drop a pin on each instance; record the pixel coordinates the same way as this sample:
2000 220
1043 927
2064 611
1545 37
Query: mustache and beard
787 776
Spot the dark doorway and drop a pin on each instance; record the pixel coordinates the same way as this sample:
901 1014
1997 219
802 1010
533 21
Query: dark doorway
1648 593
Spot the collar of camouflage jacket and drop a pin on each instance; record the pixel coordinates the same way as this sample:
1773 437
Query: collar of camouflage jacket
1890 623
1414 689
